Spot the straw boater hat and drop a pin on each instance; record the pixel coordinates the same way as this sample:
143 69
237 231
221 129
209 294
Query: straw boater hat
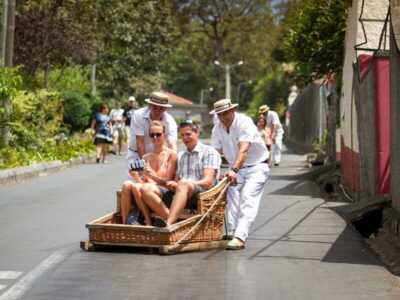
222 105
158 99
263 109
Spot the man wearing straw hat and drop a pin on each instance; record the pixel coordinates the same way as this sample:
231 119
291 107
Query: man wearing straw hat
274 124
140 141
236 136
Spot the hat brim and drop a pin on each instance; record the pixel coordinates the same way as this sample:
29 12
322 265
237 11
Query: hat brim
157 104
263 111
214 112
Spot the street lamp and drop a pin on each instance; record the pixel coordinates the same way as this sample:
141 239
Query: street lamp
228 68
202 94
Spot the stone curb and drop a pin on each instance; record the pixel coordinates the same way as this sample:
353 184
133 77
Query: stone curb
15 175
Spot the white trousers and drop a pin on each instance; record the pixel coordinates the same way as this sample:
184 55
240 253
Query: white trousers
244 199
276 149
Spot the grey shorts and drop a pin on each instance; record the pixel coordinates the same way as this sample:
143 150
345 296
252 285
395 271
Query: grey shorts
167 196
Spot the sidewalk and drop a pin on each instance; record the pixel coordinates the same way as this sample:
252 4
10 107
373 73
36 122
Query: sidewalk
302 249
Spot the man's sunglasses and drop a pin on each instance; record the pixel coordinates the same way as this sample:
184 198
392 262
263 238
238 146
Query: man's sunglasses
153 135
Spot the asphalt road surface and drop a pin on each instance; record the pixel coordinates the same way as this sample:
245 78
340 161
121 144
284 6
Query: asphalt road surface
299 248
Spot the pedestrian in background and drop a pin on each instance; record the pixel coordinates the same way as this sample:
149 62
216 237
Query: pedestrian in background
264 131
236 137
118 133
129 112
275 126
101 125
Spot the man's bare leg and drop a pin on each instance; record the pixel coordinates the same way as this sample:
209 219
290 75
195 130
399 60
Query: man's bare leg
183 192
151 197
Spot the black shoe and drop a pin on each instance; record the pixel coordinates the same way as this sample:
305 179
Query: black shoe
97 160
158 222
276 165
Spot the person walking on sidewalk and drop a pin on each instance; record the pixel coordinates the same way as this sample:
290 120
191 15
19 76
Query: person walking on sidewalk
117 119
101 125
140 141
236 136
275 126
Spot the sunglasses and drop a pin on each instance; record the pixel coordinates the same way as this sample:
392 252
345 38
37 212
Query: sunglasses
154 135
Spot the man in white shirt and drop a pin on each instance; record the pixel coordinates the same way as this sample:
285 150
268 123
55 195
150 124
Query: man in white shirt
140 141
275 126
236 136
117 120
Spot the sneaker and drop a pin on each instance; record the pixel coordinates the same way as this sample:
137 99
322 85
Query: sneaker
97 160
235 244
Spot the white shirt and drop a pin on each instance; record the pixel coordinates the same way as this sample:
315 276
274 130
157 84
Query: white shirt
273 119
242 129
140 126
116 114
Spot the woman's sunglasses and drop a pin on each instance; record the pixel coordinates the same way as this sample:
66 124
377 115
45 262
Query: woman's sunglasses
154 135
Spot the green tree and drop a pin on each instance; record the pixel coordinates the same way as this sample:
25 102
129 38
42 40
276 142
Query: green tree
227 31
315 37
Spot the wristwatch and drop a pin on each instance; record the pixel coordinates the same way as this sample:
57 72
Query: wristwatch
235 170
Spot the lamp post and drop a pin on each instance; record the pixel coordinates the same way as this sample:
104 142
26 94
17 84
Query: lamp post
202 94
228 68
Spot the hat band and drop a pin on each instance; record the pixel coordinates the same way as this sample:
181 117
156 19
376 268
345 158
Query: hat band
158 100
223 106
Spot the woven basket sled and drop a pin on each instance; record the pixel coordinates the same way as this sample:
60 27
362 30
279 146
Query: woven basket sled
194 232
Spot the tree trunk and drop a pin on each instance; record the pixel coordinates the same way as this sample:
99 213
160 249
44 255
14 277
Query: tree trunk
8 50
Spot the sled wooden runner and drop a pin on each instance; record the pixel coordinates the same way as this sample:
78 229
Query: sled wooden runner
202 230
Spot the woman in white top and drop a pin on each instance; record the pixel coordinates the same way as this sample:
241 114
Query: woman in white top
159 167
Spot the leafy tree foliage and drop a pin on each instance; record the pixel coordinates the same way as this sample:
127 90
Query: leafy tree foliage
315 38
227 31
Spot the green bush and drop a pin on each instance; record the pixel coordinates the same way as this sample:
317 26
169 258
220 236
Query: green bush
77 110
36 116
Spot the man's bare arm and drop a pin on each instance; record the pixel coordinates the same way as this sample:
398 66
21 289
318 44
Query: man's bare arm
208 178
140 145
242 154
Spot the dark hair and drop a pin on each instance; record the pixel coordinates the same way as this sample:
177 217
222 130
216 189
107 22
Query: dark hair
189 123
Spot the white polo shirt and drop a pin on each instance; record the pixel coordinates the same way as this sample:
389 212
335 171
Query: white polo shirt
140 126
273 119
242 129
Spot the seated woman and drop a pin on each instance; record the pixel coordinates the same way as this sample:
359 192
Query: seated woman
159 167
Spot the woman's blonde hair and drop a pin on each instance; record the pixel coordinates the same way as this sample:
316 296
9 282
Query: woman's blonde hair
157 124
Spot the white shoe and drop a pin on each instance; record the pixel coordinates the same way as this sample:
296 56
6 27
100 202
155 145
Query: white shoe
235 244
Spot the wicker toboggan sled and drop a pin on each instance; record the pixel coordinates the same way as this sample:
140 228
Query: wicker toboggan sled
200 231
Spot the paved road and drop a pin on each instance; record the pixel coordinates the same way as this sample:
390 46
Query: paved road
298 249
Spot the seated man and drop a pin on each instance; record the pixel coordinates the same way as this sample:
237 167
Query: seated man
197 171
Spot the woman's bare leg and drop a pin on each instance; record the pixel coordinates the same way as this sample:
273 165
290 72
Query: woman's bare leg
99 149
151 196
126 200
136 190
104 152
